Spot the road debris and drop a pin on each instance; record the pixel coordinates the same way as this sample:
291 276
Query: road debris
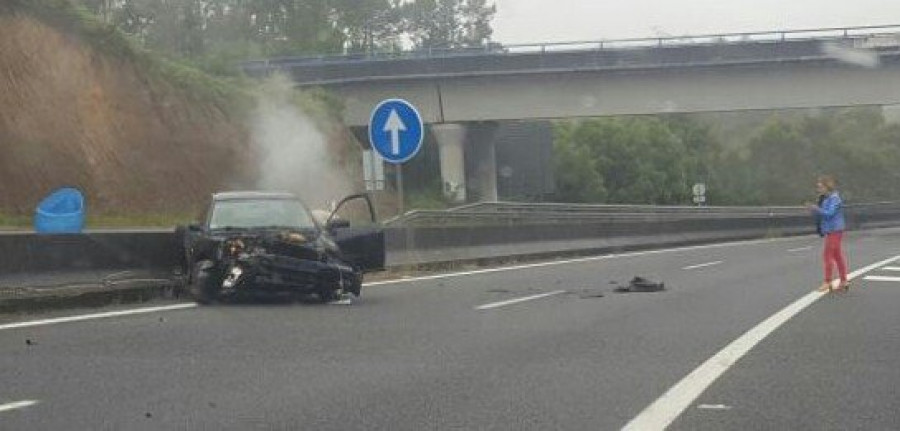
641 284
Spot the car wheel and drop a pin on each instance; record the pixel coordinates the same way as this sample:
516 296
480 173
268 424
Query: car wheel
201 287
355 286
328 295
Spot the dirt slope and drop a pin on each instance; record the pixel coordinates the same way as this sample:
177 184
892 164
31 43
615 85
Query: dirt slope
70 115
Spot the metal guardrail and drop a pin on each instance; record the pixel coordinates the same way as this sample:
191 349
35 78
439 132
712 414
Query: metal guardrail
473 232
507 213
824 34
498 230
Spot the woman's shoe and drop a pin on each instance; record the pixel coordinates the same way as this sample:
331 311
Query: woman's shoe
825 287
844 286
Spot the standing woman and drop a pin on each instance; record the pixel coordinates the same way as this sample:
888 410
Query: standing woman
831 212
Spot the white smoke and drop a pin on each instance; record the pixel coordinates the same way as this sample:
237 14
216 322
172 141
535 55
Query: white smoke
859 57
294 154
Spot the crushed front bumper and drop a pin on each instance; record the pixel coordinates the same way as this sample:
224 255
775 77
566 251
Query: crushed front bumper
281 274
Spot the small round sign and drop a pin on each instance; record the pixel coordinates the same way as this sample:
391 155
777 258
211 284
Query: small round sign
396 130
699 189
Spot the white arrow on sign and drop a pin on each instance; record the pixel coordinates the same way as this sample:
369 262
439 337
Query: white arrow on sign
394 125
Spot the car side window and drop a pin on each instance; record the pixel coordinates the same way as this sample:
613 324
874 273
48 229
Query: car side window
354 211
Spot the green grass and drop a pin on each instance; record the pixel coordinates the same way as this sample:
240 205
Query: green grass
425 200
101 221
139 220
105 38
234 96
8 222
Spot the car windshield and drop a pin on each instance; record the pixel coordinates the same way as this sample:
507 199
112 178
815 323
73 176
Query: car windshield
260 213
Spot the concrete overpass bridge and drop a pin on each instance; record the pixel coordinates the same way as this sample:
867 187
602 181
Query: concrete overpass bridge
462 93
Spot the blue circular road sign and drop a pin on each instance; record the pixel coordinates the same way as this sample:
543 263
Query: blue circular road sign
396 130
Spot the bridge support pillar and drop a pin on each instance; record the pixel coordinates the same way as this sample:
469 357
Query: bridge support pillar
451 140
481 160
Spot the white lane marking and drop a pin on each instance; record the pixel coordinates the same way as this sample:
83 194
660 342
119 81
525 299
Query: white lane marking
714 407
78 318
408 279
17 405
582 260
881 278
517 300
668 407
891 268
116 274
793 250
703 265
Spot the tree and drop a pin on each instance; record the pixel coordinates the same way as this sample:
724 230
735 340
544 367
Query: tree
645 160
369 25
782 158
577 176
448 24
217 34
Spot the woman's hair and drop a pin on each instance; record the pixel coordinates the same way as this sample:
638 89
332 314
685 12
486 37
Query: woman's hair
828 181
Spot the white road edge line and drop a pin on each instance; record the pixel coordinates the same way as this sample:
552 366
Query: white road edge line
702 265
672 403
881 278
67 319
793 250
583 259
891 268
517 300
412 279
17 405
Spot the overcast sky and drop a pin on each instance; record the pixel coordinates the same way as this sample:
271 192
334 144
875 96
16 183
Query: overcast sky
523 21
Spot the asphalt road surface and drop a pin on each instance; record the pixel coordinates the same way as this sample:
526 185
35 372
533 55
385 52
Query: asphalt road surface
736 341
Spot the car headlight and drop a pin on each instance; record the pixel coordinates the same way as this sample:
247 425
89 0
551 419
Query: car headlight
234 247
328 244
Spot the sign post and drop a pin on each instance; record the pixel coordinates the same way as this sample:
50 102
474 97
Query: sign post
396 132
699 190
400 189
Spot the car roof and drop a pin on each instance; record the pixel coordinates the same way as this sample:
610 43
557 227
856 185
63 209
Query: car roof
229 196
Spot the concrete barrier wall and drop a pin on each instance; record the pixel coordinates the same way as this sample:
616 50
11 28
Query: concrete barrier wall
161 250
29 252
422 245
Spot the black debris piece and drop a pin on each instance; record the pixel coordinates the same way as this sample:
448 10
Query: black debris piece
29 342
148 415
641 284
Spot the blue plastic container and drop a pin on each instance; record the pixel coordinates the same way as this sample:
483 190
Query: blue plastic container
61 212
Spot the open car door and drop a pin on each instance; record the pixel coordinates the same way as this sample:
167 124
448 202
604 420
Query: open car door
362 244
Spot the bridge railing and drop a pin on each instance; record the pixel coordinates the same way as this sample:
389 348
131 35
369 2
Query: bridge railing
824 34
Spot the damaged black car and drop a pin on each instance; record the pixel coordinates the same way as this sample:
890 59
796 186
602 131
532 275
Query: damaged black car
262 243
